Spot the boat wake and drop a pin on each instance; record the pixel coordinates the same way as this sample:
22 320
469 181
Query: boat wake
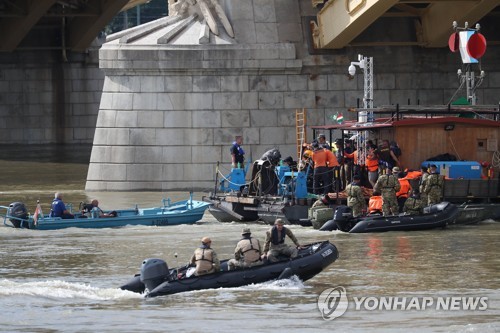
56 289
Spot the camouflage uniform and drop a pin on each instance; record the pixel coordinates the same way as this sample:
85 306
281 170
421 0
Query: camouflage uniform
388 185
434 188
423 180
413 206
355 199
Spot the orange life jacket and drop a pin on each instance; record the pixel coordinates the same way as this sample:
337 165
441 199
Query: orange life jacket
375 204
371 164
413 174
405 188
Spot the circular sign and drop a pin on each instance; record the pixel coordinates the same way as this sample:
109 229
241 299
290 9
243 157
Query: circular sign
453 42
476 45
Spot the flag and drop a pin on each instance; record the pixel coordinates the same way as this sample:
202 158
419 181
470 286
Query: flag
339 118
38 212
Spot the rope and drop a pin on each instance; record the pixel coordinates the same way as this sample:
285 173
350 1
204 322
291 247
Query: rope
453 145
495 159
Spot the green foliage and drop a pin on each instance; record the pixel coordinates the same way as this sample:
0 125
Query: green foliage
140 14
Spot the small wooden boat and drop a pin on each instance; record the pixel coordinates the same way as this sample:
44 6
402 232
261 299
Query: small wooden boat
158 280
435 216
182 212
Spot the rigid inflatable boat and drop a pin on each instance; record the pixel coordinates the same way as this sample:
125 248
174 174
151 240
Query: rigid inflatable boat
156 279
435 216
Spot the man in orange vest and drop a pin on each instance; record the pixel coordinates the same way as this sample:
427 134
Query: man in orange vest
375 203
371 163
405 189
322 174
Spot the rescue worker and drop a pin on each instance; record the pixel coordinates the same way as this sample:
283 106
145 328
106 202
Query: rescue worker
355 198
247 252
387 155
421 184
275 242
414 204
322 180
347 167
434 186
323 143
375 203
237 153
371 163
404 190
205 258
388 186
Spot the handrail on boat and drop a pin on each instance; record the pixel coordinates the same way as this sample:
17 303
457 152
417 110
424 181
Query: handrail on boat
7 218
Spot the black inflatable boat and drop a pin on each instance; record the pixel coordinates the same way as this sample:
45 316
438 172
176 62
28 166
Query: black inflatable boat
156 279
435 216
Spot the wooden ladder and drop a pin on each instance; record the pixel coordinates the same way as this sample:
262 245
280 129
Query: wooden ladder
300 129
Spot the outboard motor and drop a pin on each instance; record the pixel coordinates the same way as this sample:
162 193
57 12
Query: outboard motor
18 209
154 272
343 218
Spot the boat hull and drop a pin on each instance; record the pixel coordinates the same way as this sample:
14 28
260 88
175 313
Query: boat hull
308 263
447 215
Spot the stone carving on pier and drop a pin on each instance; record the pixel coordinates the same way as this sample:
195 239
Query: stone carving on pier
205 8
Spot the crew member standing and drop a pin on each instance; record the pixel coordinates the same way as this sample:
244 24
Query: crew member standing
355 199
434 186
322 180
237 153
388 185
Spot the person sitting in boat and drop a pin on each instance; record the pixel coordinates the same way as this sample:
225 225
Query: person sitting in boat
433 187
375 204
205 258
414 204
275 242
355 199
58 209
404 190
247 252
89 209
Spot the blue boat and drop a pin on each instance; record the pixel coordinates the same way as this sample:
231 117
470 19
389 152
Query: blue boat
181 212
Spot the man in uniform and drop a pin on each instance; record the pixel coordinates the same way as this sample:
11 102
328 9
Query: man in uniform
247 252
434 186
388 185
414 204
421 184
275 242
205 258
355 199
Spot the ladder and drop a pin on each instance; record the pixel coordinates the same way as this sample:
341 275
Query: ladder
300 129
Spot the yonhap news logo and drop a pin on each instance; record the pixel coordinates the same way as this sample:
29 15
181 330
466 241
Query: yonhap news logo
334 302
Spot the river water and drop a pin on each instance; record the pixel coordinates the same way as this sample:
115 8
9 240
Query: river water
66 280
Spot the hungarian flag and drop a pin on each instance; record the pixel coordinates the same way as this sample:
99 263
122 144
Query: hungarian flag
38 212
339 118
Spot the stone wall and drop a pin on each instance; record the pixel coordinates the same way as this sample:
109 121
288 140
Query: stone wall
169 113
44 99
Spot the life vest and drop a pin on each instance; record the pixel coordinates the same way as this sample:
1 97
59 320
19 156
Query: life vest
413 174
320 158
250 249
332 160
371 164
405 188
204 259
375 204
352 156
274 236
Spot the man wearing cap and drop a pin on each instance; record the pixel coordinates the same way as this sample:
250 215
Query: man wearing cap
414 204
405 188
433 187
205 258
355 199
275 242
322 142
247 252
388 185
